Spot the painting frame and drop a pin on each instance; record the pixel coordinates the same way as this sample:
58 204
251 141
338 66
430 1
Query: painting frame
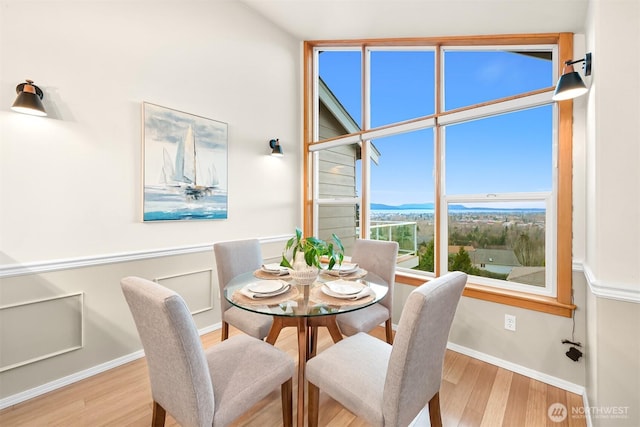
184 166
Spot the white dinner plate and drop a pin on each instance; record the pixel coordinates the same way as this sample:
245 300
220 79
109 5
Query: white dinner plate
343 270
364 292
257 295
344 287
266 286
274 268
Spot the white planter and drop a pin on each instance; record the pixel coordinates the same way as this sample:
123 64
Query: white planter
304 277
302 273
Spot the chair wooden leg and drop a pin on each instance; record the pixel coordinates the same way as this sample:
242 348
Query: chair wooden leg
389 331
287 403
225 331
276 327
434 411
332 327
159 415
313 341
314 402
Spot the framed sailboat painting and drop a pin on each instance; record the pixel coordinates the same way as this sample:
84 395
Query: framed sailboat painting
185 165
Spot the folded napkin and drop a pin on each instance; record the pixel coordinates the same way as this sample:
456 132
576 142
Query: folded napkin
275 268
258 295
341 270
365 292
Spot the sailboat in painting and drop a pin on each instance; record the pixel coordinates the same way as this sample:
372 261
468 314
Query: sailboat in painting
187 173
180 179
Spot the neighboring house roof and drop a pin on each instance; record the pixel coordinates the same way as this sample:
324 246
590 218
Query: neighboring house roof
454 249
341 114
528 275
494 257
337 109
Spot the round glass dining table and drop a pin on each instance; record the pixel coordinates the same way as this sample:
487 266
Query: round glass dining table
305 307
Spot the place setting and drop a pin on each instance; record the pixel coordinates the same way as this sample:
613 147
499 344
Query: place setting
266 291
346 270
347 291
271 271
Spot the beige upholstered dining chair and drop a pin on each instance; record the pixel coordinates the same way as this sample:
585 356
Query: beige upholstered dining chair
389 385
200 387
378 257
234 258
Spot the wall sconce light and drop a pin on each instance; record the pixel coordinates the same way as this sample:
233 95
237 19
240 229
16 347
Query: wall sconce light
276 149
570 84
28 100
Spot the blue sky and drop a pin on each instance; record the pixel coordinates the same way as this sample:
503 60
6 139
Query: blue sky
499 154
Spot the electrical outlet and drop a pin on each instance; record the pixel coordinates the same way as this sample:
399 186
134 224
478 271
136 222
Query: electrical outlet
510 322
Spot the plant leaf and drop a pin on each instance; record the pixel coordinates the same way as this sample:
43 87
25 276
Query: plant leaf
285 262
338 241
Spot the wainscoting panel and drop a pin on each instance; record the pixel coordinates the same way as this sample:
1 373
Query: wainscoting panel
40 329
195 287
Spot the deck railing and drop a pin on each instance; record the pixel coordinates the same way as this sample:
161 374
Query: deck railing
403 232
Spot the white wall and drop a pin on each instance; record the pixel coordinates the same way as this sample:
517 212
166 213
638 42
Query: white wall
535 349
70 184
612 206
613 148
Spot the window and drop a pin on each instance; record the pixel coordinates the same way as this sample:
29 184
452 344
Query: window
403 217
401 85
454 149
494 73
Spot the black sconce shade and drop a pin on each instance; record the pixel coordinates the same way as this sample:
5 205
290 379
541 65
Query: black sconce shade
570 85
28 100
276 149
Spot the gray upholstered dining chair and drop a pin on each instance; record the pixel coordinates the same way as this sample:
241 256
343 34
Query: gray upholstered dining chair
388 385
378 257
234 258
201 387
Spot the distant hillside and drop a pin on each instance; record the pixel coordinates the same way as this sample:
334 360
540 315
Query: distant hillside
381 207
430 206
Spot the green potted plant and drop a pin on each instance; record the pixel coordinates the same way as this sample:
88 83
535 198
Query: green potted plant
307 255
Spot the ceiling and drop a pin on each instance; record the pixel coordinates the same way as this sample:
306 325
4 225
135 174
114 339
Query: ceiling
347 19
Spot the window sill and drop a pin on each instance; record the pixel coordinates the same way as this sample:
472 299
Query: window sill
501 296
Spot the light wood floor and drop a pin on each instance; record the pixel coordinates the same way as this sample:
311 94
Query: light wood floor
473 393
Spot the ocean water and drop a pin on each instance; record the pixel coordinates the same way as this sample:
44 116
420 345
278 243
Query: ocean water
456 210
162 204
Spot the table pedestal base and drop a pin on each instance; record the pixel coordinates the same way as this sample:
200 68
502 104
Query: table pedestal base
307 343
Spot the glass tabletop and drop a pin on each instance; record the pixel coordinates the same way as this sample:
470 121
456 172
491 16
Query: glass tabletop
282 296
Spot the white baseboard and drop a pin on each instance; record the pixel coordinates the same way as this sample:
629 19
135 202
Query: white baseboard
422 419
210 328
79 376
587 412
69 379
514 367
522 370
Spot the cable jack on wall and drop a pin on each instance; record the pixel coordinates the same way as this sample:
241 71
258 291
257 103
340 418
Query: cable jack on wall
573 353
